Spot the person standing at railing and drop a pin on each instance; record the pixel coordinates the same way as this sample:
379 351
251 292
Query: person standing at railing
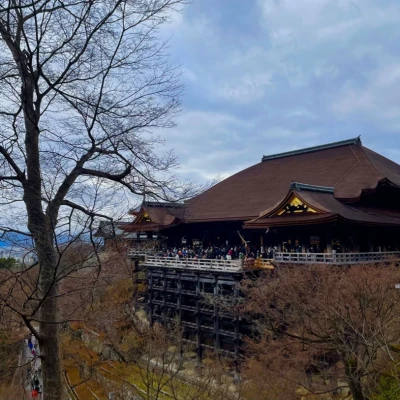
249 261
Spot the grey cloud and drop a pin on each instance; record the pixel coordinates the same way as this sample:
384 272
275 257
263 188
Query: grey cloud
282 75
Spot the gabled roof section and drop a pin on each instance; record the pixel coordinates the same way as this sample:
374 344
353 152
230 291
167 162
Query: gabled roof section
294 203
387 168
156 216
328 209
136 211
354 141
109 230
368 172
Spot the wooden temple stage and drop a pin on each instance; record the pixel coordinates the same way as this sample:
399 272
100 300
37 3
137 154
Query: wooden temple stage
332 204
199 293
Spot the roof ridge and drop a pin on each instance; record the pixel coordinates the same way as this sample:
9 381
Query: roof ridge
370 161
312 188
165 204
347 142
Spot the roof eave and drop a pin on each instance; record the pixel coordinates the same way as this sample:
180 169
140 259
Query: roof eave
270 223
354 141
367 191
221 219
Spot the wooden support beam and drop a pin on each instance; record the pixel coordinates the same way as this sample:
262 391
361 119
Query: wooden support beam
198 321
179 296
216 315
164 311
236 340
150 296
170 295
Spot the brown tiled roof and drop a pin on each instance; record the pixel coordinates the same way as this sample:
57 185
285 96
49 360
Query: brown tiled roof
108 229
162 215
346 166
330 209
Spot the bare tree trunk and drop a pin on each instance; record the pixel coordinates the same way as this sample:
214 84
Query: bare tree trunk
49 328
42 228
53 383
356 389
353 380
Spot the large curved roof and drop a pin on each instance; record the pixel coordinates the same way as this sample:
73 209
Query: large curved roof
346 166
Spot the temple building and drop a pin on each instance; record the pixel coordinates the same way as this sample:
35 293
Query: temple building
340 197
338 203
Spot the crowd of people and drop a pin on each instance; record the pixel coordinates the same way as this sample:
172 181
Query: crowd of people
223 252
35 370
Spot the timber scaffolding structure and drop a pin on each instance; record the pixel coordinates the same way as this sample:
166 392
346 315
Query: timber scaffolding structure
198 295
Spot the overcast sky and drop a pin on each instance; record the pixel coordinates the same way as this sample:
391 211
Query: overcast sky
266 76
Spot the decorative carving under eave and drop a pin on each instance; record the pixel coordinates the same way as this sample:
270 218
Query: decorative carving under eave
295 206
144 218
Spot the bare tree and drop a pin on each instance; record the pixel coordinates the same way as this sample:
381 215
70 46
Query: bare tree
82 85
114 349
325 329
10 348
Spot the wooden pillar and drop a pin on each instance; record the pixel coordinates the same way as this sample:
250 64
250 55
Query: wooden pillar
179 310
371 239
135 272
328 240
236 338
150 296
216 315
164 297
357 241
198 321
179 297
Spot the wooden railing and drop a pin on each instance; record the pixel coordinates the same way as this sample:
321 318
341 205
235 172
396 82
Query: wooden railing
192 263
206 264
261 263
338 258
